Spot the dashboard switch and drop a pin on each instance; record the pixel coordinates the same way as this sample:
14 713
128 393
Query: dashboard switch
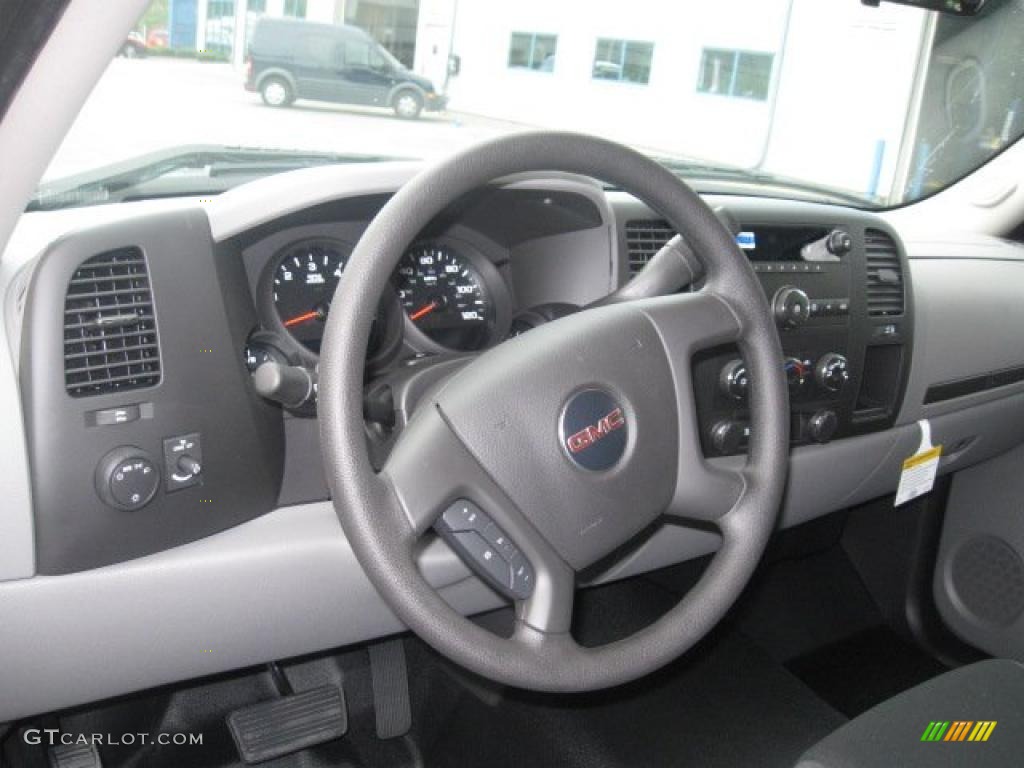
110 416
127 478
791 307
822 426
733 381
832 372
183 461
727 436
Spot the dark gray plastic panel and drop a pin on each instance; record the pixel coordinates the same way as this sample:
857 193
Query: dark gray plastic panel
203 313
977 597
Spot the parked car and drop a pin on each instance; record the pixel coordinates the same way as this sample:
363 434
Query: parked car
134 47
291 59
157 38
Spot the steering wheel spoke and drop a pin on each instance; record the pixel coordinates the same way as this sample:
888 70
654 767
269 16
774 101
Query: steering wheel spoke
440 484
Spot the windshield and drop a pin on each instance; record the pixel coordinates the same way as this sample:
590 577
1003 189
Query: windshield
821 99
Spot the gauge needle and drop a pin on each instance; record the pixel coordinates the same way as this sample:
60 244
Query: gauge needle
423 311
301 318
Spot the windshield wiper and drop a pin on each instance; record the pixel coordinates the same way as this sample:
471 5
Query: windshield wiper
190 170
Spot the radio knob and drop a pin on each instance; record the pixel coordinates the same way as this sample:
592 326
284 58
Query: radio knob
727 436
839 243
831 372
822 426
791 306
734 381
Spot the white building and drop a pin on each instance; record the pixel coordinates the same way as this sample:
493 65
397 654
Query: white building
753 83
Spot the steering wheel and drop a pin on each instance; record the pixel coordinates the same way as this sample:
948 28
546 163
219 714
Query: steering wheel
557 447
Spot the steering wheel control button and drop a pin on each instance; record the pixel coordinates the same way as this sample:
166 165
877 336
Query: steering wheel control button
464 515
127 478
183 461
486 548
593 430
522 577
485 555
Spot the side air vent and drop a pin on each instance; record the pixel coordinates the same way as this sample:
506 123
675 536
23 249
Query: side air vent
644 238
110 338
885 275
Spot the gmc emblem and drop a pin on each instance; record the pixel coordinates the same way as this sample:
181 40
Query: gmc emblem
591 434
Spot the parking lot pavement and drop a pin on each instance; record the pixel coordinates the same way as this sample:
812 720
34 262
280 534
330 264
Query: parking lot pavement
141 105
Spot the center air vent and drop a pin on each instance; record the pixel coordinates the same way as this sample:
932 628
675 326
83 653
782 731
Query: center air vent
644 238
110 338
885 275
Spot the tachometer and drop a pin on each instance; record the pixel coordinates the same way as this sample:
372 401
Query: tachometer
445 296
303 285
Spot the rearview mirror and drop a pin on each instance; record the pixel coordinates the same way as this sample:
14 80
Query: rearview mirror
954 7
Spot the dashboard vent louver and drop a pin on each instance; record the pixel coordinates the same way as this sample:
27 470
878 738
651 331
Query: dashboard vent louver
110 337
644 238
884 275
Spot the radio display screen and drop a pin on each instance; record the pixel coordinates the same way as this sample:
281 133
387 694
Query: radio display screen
778 243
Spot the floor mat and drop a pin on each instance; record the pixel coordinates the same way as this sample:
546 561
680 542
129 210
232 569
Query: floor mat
858 672
726 703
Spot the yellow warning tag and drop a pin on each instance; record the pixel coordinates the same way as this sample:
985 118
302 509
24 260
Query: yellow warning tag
920 470
920 458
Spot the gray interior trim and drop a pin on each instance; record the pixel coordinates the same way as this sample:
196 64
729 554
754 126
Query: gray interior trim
288 583
282 585
17 550
968 316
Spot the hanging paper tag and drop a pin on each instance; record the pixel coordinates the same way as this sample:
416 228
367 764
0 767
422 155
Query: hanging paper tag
918 475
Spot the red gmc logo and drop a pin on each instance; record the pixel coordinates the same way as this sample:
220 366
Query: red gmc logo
587 436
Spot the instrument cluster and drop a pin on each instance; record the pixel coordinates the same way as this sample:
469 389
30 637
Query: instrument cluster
444 296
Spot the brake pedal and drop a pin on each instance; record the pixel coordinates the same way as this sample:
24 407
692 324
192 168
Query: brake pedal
75 756
390 689
289 724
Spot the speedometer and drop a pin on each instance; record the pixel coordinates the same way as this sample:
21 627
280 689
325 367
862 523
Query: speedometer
303 285
445 296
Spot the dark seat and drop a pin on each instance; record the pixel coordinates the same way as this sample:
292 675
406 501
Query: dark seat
893 733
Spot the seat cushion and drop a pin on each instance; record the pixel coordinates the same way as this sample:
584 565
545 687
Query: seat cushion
933 724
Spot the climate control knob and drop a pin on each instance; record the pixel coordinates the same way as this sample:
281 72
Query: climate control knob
727 436
791 307
831 372
734 381
822 426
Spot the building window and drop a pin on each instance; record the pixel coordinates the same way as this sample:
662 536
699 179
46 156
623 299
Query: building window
624 60
220 9
532 51
296 8
742 74
257 6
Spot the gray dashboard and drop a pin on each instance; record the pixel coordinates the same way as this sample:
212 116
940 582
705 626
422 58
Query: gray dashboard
285 583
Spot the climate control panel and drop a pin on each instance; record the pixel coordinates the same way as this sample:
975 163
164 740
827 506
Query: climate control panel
815 389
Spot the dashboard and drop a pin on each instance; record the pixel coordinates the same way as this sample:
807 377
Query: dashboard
158 465
456 289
